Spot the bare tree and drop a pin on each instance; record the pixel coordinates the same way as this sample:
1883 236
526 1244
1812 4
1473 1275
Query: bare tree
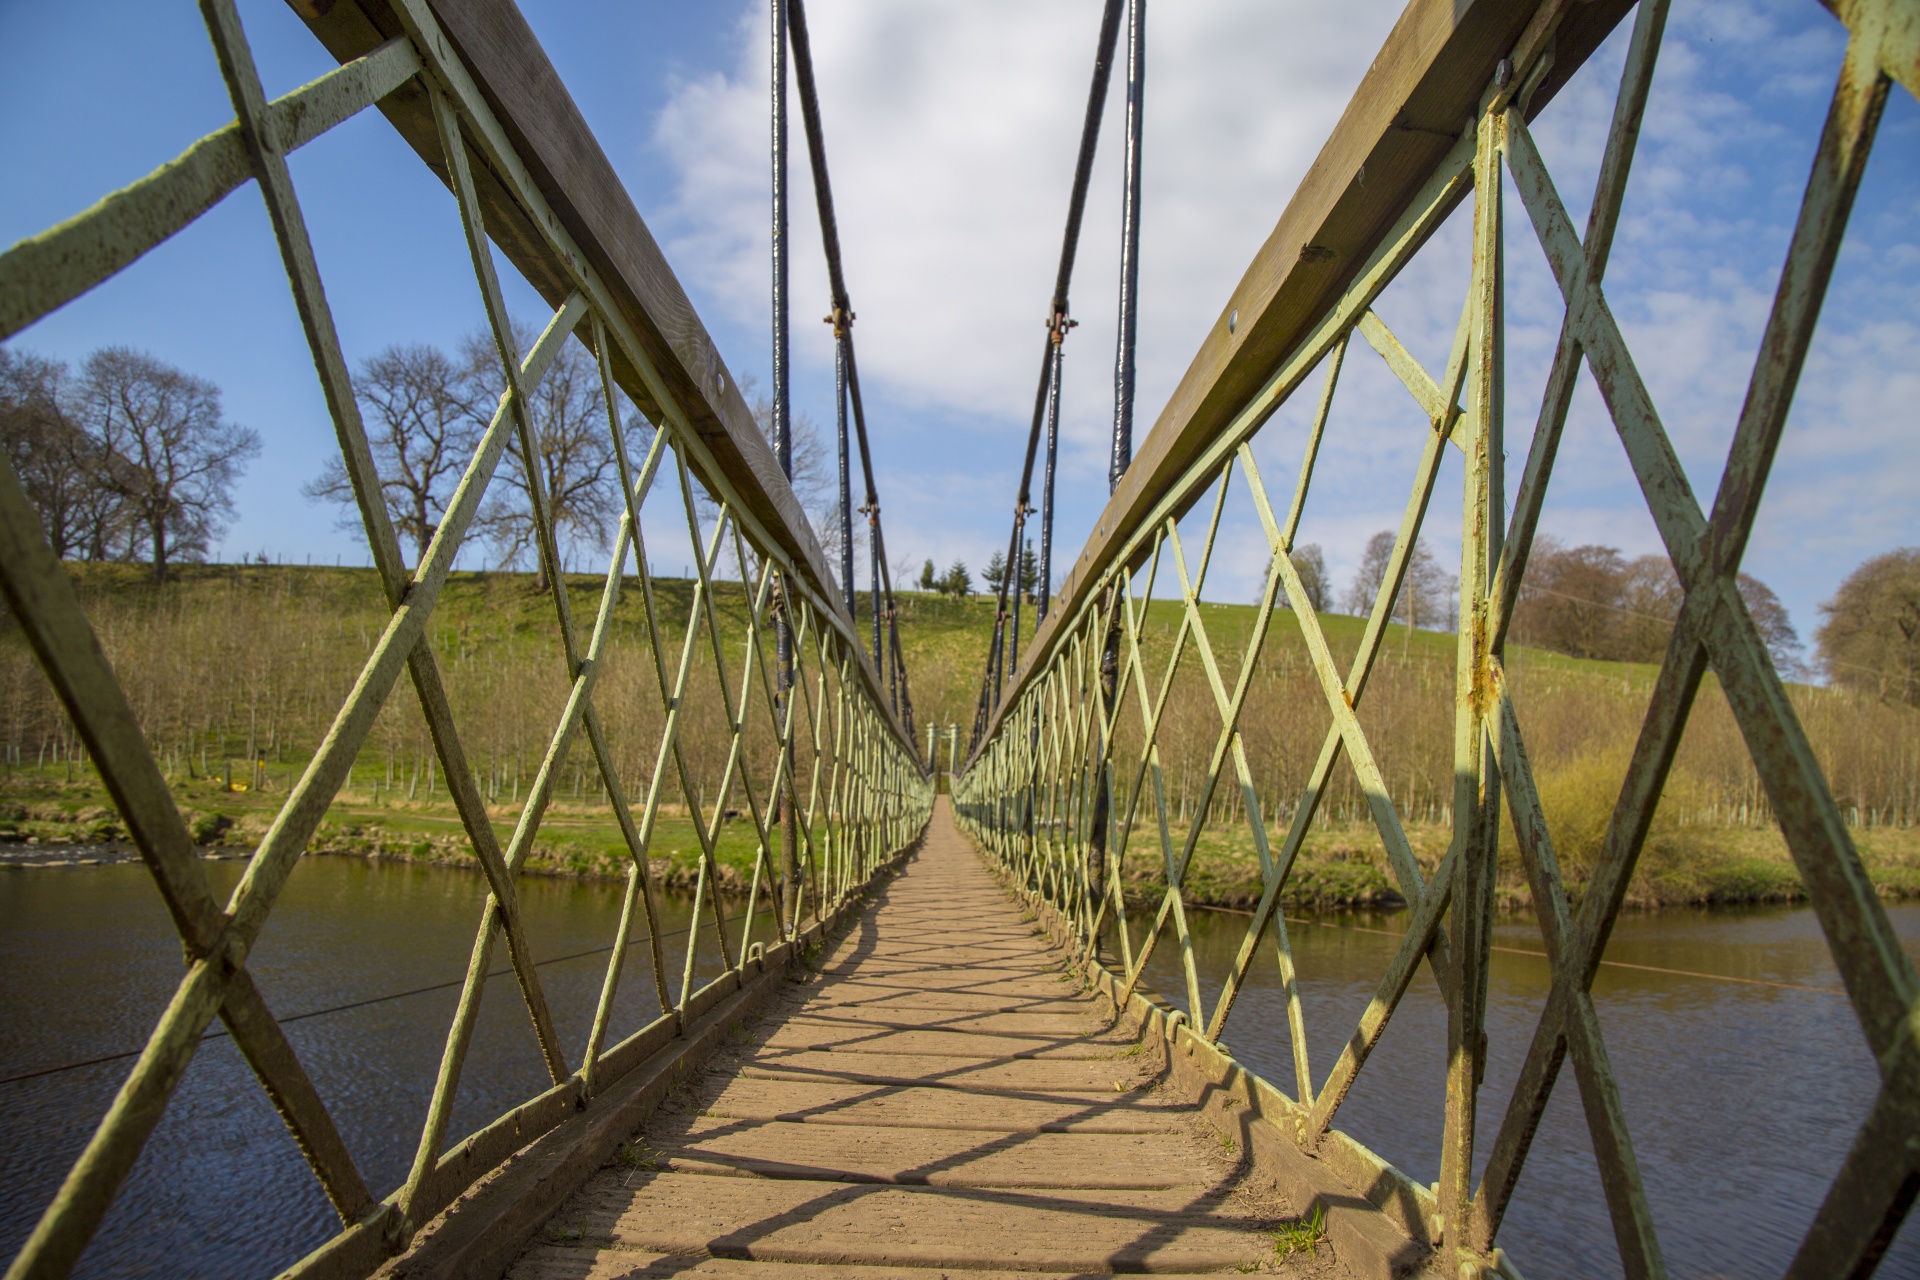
424 418
51 455
164 450
816 473
1570 599
1424 591
578 472
1776 629
1870 640
1311 564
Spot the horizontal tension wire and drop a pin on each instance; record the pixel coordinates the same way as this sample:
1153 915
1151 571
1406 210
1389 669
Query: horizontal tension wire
222 1034
1541 955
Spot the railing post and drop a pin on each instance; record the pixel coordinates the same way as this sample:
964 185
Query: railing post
783 801
1476 804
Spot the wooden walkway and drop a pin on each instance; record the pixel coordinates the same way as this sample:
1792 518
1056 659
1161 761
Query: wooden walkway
940 1100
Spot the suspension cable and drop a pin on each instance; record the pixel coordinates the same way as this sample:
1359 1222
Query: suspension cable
999 659
886 654
1123 364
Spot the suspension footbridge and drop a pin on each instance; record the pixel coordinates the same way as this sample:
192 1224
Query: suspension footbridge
931 1046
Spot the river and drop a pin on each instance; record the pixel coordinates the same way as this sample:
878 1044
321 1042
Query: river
1742 1097
221 1190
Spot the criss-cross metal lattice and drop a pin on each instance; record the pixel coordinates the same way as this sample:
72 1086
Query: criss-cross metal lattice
1038 789
844 764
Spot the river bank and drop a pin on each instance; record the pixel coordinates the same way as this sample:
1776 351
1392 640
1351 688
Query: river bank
1340 866
444 854
576 842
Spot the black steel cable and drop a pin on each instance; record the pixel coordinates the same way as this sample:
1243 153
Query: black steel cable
1123 363
222 1034
1057 324
842 319
1046 485
782 402
846 479
782 421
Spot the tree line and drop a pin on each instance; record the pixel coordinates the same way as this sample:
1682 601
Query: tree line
130 458
957 579
1591 601
425 410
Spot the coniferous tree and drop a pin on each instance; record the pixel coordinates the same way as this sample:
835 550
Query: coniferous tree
1029 572
995 573
958 580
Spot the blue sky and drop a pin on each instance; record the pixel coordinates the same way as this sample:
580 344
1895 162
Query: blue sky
951 129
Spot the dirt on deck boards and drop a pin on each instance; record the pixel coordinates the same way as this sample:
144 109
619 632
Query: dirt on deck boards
939 1100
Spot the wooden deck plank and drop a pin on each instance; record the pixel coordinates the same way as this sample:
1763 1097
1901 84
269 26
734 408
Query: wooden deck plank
932 1043
886 995
1010 1022
1042 1075
910 1154
831 1102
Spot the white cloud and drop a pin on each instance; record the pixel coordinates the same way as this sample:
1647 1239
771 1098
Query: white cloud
951 130
952 127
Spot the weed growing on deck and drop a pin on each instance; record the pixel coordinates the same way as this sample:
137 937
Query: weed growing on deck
1302 1235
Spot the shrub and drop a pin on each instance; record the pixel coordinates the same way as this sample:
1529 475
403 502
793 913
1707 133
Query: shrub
1578 798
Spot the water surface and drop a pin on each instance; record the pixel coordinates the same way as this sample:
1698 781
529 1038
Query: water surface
221 1191
1741 1097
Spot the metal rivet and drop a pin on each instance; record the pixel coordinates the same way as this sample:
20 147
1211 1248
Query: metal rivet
1233 319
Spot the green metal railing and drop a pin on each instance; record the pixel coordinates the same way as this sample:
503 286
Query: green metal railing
1049 793
844 776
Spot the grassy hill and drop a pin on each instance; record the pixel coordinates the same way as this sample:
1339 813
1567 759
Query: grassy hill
236 672
1714 839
